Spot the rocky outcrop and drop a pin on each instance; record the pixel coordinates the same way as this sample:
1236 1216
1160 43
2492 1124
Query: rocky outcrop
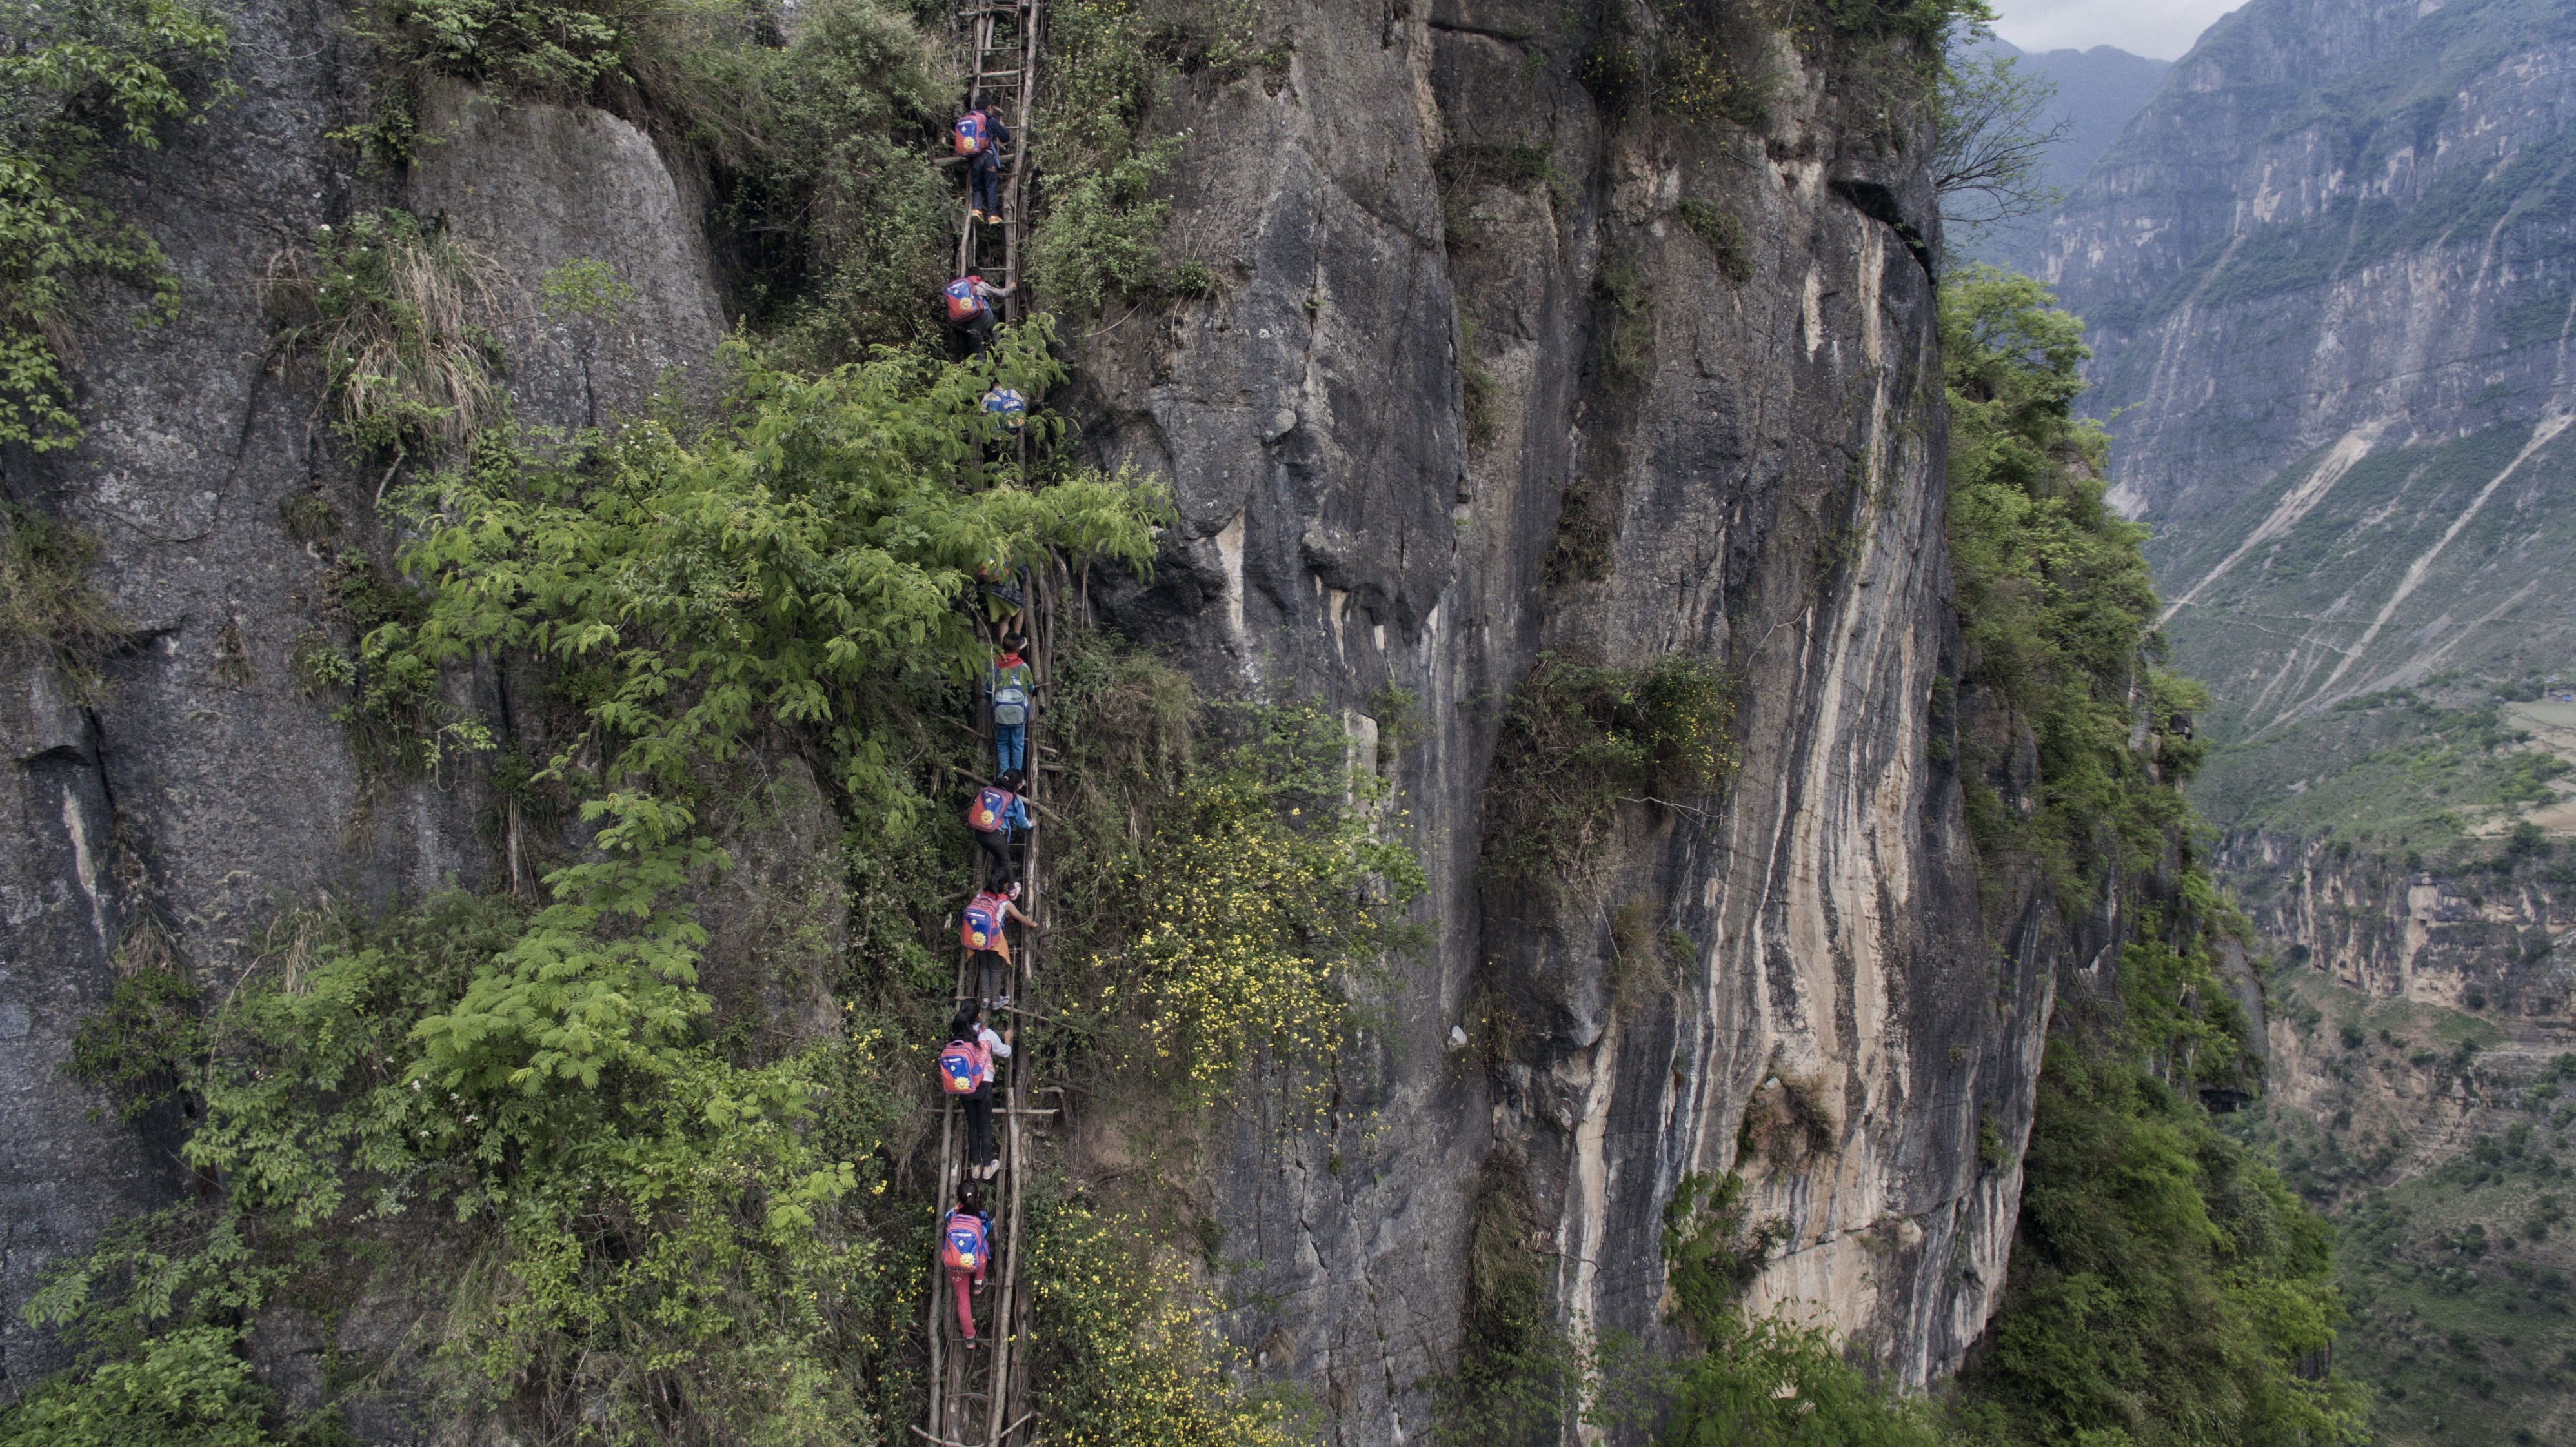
2483 942
2327 275
1752 462
2391 971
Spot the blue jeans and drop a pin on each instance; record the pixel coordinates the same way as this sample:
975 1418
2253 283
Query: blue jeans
1011 745
984 178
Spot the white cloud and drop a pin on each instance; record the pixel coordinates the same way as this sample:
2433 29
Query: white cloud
2160 28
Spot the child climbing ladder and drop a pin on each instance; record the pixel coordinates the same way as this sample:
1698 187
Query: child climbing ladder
998 44
1000 51
999 1350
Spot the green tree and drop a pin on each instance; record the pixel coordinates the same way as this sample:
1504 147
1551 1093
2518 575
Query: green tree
2163 1287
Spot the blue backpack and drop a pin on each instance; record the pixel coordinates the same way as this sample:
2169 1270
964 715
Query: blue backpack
1005 408
961 1243
961 1068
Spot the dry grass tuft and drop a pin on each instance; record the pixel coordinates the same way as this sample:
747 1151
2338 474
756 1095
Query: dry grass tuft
396 313
1788 1122
49 613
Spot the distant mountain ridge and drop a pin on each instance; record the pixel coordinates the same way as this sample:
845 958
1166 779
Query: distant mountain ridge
2098 91
2328 272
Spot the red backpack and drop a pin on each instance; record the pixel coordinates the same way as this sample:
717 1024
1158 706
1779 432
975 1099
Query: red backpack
984 816
961 1067
963 303
980 928
961 1241
972 138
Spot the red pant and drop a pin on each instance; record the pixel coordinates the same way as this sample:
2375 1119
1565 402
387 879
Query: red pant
965 1299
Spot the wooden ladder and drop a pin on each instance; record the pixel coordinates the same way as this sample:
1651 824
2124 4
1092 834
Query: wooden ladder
998 46
1006 1419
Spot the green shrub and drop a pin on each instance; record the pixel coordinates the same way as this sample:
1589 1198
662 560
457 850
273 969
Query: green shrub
1518 1376
1122 1347
1577 741
584 287
1625 321
78 77
187 1389
528 49
1586 537
146 1047
1101 231
1106 64
1723 233
1764 1380
2052 590
1477 387
1265 884
843 232
669 1232
2164 1284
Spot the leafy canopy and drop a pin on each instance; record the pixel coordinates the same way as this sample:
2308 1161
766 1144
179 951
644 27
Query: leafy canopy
2053 592
790 567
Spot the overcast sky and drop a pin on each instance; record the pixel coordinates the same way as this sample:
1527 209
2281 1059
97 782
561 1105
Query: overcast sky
2160 28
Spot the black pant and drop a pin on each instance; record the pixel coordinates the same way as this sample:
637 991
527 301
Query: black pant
979 1125
984 181
997 844
992 975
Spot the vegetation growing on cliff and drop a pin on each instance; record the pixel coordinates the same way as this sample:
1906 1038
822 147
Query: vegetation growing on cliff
2055 603
1578 741
2164 1286
190 1389
659 1221
397 313
1122 1338
77 78
1099 227
50 612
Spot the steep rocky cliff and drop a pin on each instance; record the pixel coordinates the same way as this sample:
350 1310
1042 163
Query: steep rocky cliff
2327 274
1499 365
1764 490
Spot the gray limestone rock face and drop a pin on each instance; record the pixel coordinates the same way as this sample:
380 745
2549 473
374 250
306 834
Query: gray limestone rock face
207 786
535 187
1765 493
